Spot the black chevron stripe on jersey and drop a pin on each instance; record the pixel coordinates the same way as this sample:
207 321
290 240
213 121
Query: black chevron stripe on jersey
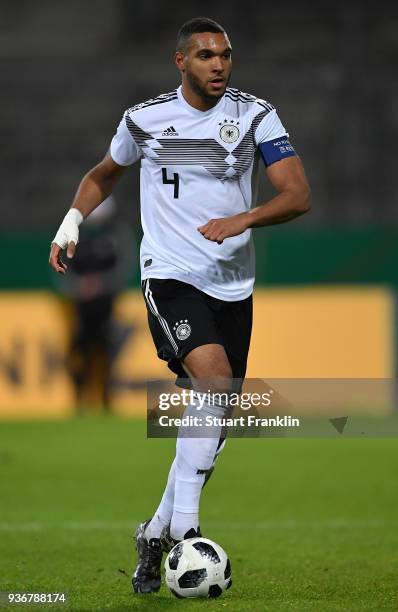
205 152
232 91
246 149
239 96
262 103
152 101
137 133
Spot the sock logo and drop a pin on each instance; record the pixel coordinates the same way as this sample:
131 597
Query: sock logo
182 329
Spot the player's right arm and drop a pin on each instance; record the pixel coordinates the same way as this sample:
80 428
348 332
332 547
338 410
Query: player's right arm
95 186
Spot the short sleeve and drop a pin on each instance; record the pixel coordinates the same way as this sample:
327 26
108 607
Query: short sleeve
272 139
124 150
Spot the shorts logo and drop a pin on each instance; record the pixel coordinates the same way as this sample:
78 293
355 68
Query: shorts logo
229 133
182 329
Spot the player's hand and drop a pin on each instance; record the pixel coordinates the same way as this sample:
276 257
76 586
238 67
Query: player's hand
67 238
55 259
219 229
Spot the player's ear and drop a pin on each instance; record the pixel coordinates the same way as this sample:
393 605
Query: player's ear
179 61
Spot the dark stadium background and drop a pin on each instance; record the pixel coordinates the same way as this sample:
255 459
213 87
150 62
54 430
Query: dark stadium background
70 69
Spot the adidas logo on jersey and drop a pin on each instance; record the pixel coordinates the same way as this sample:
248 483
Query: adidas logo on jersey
171 131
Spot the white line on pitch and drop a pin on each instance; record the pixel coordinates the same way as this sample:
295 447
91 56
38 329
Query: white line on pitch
130 525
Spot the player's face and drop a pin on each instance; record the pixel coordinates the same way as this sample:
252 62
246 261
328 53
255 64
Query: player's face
207 64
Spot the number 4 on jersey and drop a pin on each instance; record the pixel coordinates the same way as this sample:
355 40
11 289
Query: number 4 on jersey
174 181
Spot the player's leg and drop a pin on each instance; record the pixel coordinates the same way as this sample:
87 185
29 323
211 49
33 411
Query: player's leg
170 304
215 365
202 361
207 355
207 366
162 516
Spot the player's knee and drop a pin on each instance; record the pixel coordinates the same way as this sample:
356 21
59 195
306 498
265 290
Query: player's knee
220 382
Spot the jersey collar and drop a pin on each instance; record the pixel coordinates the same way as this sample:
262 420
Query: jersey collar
195 111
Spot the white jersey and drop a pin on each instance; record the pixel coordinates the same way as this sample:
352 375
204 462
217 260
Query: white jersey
197 166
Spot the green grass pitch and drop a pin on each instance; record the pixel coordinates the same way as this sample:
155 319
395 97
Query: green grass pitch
309 525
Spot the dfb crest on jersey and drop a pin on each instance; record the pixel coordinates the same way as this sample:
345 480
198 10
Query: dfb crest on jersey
182 329
229 132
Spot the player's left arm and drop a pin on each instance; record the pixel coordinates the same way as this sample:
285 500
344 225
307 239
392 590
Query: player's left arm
293 194
285 172
292 200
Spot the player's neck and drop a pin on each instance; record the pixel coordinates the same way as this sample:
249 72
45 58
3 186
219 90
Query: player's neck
195 100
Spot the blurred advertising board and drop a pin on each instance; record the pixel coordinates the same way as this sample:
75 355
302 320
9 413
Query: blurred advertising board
330 332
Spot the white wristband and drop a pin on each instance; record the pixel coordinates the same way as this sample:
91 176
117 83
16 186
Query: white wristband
69 229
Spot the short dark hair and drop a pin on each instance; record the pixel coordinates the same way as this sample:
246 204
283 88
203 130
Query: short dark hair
195 26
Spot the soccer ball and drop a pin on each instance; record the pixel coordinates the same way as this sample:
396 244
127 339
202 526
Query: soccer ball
197 567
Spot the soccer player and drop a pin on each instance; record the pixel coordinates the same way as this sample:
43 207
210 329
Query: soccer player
200 147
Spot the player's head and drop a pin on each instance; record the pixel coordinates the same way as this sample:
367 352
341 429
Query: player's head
203 56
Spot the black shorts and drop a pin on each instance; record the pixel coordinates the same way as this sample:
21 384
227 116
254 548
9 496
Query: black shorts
182 318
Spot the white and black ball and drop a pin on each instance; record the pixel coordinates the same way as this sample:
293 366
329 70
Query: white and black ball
197 567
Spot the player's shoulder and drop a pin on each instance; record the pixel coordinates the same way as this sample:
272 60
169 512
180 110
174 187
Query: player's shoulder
252 102
152 103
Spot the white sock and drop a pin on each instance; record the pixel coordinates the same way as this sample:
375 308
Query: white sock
193 455
187 489
162 516
182 522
